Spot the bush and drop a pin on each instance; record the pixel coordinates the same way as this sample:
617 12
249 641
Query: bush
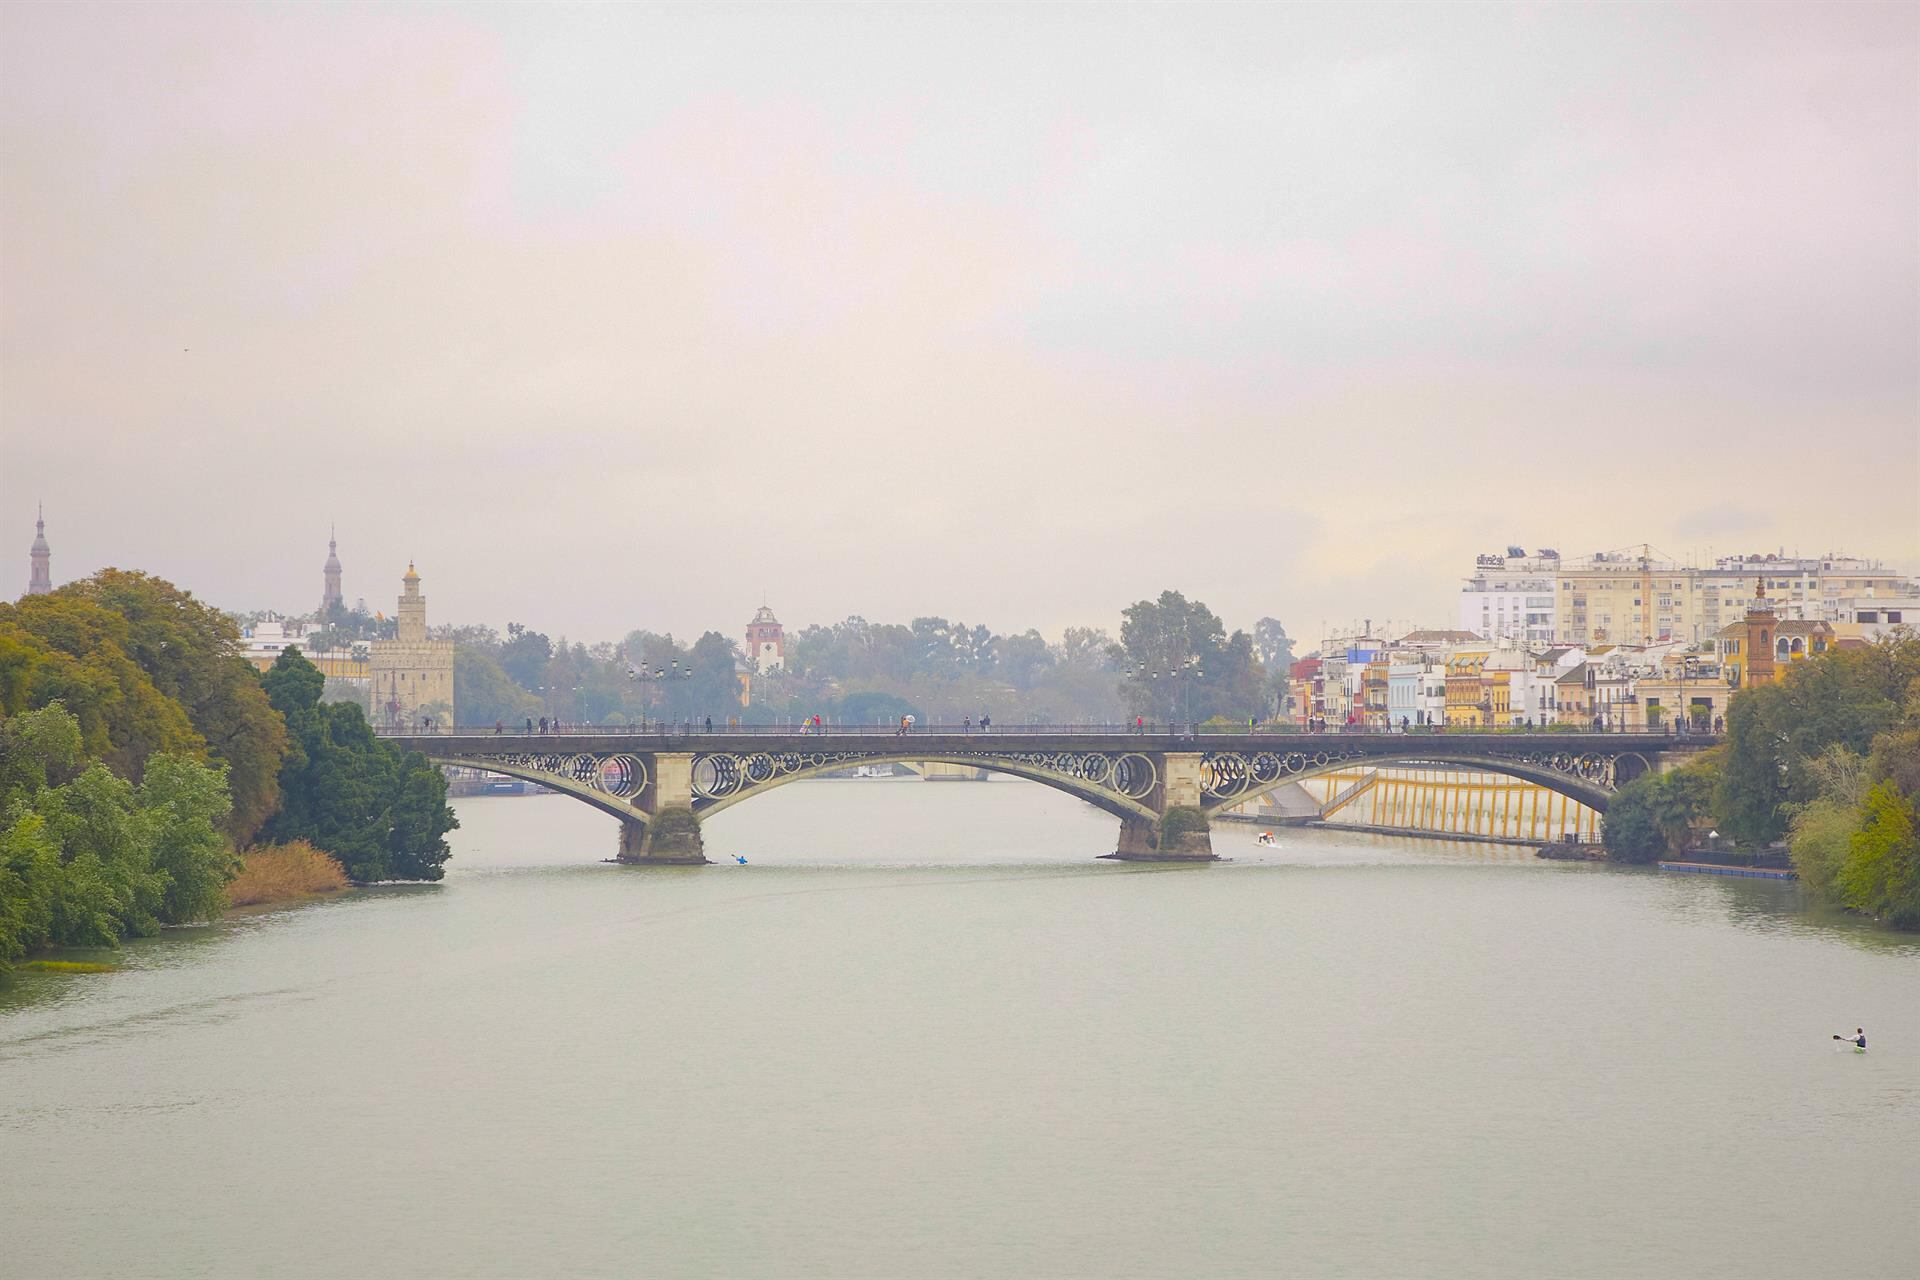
284 873
1183 819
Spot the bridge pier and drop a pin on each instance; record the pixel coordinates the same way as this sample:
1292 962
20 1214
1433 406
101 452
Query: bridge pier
1182 832
1186 838
670 839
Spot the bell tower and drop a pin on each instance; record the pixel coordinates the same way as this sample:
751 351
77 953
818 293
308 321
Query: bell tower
766 641
40 575
330 591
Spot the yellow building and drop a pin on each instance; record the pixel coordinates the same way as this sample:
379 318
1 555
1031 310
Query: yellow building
412 675
1638 599
1463 688
1757 649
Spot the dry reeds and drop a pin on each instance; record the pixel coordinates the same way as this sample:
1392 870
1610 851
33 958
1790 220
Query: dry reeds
284 873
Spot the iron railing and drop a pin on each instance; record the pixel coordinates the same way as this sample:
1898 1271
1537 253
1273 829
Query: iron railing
1147 729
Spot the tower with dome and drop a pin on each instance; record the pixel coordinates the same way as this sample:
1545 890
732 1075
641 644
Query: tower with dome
330 579
40 558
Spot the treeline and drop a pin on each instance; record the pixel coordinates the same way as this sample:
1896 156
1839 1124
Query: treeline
139 751
1826 759
1174 660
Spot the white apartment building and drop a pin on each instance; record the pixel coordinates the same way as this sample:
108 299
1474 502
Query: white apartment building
1511 597
1873 616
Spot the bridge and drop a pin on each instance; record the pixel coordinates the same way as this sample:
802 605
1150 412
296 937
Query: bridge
1165 785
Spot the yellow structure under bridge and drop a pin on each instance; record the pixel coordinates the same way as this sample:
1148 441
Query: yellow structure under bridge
1454 802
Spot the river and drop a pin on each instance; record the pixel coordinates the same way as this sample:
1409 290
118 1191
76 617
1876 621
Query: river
925 1034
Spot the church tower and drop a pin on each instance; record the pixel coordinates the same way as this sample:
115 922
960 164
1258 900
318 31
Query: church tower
40 577
1761 622
330 591
766 641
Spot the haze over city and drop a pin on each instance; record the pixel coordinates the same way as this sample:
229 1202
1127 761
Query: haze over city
610 318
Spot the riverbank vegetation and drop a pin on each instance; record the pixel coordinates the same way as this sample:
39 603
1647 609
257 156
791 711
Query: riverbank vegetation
1826 759
284 873
138 750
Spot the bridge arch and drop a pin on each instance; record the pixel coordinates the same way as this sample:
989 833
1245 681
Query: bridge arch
1113 802
1593 794
601 800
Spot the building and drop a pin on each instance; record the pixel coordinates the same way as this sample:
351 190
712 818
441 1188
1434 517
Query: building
1417 689
766 642
1637 598
1758 648
39 558
412 676
1306 690
1463 688
1510 598
262 643
330 579
1871 617
1809 588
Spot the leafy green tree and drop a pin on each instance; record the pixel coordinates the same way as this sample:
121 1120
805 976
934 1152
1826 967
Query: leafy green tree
191 651
378 809
66 648
1774 732
183 805
1882 873
525 655
1819 839
1632 830
30 882
1185 666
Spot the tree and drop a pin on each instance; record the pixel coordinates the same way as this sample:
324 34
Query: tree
378 809
184 804
1632 832
1882 873
1184 664
1774 732
525 655
191 651
61 647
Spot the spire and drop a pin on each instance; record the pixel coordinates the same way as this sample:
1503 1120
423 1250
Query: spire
40 556
330 575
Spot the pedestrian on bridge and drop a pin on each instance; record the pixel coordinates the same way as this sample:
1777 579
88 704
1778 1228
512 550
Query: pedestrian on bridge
966 725
709 724
986 722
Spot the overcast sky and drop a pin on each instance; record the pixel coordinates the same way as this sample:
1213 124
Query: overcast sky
628 317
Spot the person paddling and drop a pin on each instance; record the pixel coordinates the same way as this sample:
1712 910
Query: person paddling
740 858
1858 1038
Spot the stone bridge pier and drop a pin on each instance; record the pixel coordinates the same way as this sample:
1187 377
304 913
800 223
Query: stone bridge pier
670 834
1179 830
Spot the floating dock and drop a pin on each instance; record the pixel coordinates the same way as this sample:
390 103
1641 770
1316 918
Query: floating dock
1716 869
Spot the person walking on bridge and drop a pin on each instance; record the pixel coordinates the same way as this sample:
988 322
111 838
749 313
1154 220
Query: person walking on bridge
986 722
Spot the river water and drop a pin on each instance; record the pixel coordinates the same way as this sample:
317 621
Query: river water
925 1034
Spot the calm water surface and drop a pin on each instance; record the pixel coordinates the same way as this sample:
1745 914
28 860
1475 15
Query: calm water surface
924 1034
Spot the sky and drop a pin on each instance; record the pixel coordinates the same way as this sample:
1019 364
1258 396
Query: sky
616 317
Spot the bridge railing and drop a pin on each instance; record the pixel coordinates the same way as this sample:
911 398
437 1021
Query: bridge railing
1147 729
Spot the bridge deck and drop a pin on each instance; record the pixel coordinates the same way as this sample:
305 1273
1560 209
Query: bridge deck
944 740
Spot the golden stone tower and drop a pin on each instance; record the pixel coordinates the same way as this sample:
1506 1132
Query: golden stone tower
412 675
